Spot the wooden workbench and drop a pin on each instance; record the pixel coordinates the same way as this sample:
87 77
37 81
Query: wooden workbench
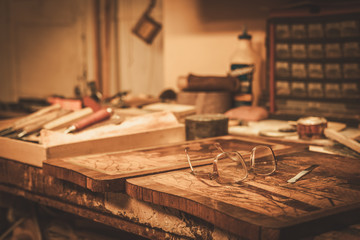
117 210
172 204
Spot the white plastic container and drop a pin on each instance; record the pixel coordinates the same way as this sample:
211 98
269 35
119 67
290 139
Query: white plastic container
245 65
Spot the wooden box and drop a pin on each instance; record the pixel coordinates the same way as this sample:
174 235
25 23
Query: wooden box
35 154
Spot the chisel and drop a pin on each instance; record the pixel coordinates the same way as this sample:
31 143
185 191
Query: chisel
29 119
89 120
68 119
42 121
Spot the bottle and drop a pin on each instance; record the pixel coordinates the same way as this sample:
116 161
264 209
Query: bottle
245 65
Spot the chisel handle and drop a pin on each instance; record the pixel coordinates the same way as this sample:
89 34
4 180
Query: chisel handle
93 118
42 121
68 119
34 117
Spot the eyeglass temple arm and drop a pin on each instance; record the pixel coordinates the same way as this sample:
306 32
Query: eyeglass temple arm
218 146
188 159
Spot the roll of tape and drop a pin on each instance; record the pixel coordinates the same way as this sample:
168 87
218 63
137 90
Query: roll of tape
311 127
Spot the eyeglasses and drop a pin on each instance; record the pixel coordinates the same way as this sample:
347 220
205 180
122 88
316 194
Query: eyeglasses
230 167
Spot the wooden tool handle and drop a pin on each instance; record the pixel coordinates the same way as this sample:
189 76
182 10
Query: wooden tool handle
68 119
33 117
332 134
41 121
93 118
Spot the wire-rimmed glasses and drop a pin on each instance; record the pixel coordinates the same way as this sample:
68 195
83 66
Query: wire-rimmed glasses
230 167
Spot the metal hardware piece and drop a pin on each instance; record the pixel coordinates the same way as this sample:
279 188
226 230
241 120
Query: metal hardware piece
302 173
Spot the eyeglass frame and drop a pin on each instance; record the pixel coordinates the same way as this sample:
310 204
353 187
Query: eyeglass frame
215 172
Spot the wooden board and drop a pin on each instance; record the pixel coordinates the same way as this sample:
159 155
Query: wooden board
265 207
107 172
35 154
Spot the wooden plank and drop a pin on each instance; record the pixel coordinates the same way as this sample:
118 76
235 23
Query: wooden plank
332 134
22 151
118 143
265 207
35 154
107 172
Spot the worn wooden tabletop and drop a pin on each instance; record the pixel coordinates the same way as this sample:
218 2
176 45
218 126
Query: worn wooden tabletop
107 172
265 207
259 207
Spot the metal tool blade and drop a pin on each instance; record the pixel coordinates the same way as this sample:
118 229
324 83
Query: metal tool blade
6 131
302 173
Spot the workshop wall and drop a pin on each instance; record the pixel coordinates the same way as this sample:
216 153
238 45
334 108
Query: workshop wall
139 68
48 47
45 47
200 36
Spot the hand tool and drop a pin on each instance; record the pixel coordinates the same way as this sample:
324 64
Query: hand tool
302 173
89 120
31 118
89 102
68 119
41 121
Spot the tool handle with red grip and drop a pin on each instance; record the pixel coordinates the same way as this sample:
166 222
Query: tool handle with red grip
93 118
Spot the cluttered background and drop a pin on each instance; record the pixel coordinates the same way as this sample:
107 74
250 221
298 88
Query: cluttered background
261 64
100 98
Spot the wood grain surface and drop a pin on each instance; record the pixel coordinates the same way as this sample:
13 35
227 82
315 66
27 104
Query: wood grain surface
19 181
107 172
265 207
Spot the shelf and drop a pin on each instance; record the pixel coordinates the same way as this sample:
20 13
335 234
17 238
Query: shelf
353 101
319 80
324 40
319 60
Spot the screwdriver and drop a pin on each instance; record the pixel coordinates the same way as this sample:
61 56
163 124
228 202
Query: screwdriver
96 117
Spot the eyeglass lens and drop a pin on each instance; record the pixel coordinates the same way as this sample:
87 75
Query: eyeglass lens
263 160
230 167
